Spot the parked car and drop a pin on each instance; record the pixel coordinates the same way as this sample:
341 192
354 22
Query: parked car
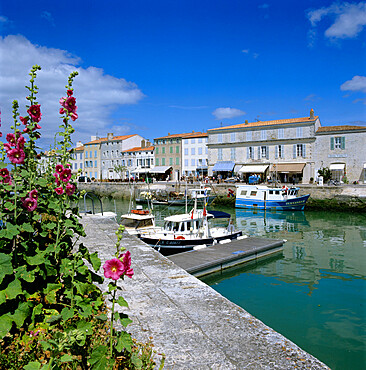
84 179
232 180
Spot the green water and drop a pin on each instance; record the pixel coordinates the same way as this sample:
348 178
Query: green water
315 292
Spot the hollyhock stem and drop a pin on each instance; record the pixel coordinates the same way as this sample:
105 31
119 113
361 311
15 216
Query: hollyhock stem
112 319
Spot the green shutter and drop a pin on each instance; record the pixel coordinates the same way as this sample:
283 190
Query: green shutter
343 142
332 143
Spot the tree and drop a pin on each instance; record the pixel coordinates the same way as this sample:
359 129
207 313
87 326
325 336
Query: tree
326 173
120 170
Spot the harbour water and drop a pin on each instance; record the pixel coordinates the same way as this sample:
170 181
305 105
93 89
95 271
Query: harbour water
315 292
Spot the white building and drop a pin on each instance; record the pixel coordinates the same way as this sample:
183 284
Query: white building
194 154
77 157
138 161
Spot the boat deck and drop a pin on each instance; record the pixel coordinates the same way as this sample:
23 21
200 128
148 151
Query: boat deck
218 257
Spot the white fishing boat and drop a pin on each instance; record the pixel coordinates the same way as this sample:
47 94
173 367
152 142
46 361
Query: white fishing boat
264 197
188 231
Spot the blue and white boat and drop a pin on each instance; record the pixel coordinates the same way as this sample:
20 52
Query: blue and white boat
264 197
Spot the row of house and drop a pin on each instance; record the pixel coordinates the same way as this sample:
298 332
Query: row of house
291 150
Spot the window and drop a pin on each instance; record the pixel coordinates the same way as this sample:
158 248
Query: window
338 142
281 133
219 138
193 162
177 149
81 165
279 151
263 134
171 149
171 161
157 161
95 164
163 161
200 140
232 137
186 162
199 151
299 150
250 152
193 141
81 155
232 154
86 154
185 151
298 131
264 153
156 150
219 154
75 166
249 136
193 151
162 150
95 154
91 154
86 164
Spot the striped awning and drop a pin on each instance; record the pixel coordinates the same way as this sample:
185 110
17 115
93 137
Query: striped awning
337 166
160 169
288 167
223 166
250 168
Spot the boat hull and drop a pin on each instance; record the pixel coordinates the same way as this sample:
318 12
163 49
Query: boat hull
172 246
292 204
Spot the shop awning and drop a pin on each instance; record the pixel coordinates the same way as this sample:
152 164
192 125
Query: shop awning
364 165
259 168
288 167
159 169
223 166
337 166
141 170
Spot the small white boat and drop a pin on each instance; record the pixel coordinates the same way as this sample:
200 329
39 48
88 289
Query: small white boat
264 197
188 231
138 220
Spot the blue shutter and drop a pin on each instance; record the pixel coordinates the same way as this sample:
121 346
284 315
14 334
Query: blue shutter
282 151
332 143
267 152
248 157
343 142
294 151
304 150
276 151
259 152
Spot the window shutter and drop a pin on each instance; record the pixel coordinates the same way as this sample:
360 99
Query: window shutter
332 143
276 152
259 152
304 150
282 151
343 142
267 152
294 151
248 154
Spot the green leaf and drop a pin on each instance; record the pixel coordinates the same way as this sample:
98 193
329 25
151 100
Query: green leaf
27 228
38 259
95 261
25 275
124 341
54 319
98 360
102 317
10 231
42 181
5 325
34 365
66 358
67 313
50 292
6 267
13 289
10 206
21 313
123 318
121 301
85 327
2 296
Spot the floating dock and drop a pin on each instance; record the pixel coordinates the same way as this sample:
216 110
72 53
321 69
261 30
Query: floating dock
218 257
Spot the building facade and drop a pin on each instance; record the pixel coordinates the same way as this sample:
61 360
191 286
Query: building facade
92 158
138 162
194 155
342 149
77 158
282 149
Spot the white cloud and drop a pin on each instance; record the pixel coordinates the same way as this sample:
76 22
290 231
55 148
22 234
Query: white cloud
3 19
358 83
98 95
348 19
222 113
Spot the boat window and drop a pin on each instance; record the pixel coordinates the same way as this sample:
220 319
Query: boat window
277 192
168 226
175 226
189 225
271 192
243 192
145 223
253 193
129 222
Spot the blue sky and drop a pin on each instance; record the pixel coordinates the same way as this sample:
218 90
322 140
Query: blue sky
159 67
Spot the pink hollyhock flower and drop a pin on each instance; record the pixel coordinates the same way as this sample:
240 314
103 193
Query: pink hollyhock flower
113 269
62 110
126 262
7 147
26 130
16 156
69 92
74 116
57 180
6 180
24 120
37 127
11 139
4 172
20 141
70 189
59 190
65 175
37 135
59 168
62 100
70 104
1 134
30 204
33 194
35 112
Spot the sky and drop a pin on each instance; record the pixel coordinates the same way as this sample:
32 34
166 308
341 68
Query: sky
158 67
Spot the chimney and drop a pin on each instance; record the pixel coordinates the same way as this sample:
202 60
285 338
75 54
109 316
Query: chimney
246 121
312 113
79 144
148 143
168 133
110 136
143 144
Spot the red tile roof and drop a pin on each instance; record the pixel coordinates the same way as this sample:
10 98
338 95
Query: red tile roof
268 123
114 138
139 149
339 128
196 134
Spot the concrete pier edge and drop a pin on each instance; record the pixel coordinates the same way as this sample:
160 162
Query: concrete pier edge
188 321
